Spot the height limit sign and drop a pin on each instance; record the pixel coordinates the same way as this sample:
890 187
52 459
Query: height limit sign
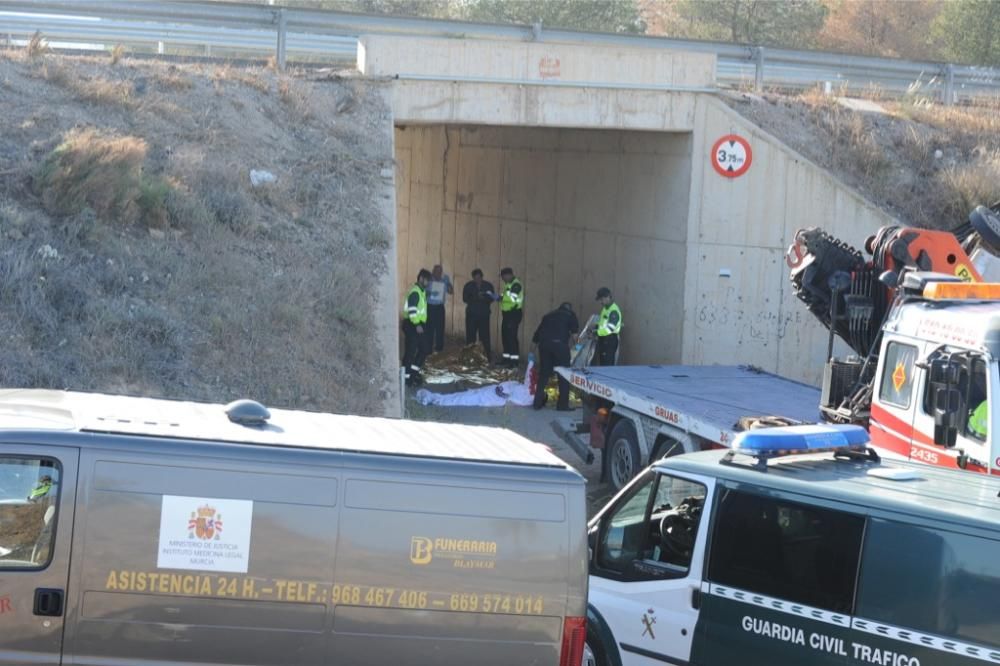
731 156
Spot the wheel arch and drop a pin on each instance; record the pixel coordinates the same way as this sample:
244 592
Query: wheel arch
668 433
607 637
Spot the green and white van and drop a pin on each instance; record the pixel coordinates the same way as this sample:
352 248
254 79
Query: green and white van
751 557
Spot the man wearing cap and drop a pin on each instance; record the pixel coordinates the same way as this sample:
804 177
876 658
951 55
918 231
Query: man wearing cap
553 336
511 311
609 325
414 333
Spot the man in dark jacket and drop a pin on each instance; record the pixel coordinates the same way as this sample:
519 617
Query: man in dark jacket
478 295
554 335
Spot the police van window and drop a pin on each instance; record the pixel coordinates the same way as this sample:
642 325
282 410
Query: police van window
931 581
897 375
29 488
793 552
651 534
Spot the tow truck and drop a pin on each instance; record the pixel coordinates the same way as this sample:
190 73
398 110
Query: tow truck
916 310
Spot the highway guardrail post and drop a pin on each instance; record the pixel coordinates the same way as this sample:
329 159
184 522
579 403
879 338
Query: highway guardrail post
758 74
949 84
282 40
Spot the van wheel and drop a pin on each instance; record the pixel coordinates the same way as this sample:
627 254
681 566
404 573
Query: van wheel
623 454
667 448
593 651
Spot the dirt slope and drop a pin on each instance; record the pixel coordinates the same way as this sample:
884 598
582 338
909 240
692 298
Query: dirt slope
923 163
137 257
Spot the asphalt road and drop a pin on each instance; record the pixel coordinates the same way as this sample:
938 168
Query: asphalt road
534 425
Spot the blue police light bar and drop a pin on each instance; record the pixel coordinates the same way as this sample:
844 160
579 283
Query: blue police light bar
766 443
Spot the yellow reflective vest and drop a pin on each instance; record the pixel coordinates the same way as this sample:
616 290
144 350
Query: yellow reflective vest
513 296
610 322
416 309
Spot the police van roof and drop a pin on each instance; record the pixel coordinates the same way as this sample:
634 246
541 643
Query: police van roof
33 410
924 491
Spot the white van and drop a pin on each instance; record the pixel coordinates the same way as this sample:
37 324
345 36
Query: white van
799 546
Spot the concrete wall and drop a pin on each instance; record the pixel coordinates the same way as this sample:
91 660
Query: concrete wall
569 210
450 59
741 224
746 224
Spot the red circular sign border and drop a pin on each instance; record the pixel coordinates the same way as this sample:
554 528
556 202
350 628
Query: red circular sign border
738 172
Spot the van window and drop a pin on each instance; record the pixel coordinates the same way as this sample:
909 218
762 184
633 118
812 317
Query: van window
795 552
931 581
29 488
897 375
651 534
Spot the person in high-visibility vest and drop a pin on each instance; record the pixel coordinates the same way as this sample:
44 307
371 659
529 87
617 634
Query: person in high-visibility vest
609 326
977 421
511 312
41 489
414 325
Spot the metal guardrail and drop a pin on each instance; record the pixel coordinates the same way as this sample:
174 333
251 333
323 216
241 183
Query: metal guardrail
222 28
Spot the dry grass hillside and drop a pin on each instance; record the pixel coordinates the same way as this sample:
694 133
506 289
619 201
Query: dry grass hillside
137 257
926 164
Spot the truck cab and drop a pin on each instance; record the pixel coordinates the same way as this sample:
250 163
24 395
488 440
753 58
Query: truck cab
937 379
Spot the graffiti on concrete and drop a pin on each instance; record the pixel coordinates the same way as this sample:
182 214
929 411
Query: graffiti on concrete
728 315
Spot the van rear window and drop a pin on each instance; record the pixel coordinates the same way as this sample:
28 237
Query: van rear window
29 488
794 552
931 581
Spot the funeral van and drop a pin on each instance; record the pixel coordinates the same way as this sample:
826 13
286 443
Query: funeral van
138 531
797 547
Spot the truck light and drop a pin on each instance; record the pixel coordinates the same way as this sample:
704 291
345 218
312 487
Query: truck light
574 636
602 415
956 291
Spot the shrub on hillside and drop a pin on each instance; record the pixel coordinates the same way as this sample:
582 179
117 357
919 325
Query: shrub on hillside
103 172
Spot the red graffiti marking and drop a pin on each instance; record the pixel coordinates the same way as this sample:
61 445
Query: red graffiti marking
5 606
549 67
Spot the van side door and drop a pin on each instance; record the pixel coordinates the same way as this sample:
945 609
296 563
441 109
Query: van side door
781 577
646 568
37 502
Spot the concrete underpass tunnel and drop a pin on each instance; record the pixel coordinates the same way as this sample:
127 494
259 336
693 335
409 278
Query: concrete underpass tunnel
570 210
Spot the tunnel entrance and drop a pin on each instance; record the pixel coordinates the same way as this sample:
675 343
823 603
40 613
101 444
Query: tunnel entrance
570 210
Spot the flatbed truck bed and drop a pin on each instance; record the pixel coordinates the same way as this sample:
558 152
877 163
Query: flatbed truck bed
639 413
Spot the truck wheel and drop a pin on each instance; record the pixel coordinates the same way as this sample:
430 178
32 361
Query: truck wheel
667 448
623 454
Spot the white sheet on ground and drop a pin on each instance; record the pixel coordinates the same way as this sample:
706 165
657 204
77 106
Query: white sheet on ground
497 395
